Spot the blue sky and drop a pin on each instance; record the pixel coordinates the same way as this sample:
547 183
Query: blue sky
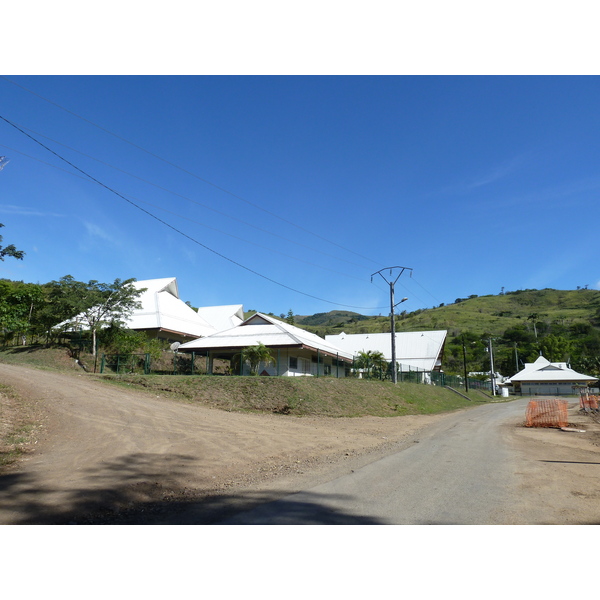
288 192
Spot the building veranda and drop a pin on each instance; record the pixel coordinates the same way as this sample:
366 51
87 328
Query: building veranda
295 352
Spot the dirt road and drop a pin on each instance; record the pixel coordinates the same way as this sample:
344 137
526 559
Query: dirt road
106 453
110 455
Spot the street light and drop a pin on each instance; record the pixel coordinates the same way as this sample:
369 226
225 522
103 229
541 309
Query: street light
392 306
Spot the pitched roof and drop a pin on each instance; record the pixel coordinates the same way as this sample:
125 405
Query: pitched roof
223 317
273 333
543 370
418 349
163 309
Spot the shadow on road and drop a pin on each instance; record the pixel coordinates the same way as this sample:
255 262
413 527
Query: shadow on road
144 489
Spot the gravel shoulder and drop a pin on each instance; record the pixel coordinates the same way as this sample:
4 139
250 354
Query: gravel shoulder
109 455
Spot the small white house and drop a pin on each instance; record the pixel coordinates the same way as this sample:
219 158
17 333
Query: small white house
545 378
296 352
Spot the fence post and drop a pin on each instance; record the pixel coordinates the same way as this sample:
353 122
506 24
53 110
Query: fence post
102 364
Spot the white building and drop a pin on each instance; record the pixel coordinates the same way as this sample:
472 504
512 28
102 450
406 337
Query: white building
545 378
415 350
296 352
164 315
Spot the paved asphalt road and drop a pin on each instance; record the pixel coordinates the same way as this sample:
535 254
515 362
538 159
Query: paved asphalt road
461 471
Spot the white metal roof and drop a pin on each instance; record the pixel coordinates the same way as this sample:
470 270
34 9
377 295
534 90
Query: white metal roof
271 332
542 370
223 317
417 349
163 309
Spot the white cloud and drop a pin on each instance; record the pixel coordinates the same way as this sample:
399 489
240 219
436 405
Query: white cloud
27 212
97 232
499 171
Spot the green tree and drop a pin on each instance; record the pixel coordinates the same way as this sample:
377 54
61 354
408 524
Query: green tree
93 305
371 362
10 250
115 339
18 302
556 348
254 355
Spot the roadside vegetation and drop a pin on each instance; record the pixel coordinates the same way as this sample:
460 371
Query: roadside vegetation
297 396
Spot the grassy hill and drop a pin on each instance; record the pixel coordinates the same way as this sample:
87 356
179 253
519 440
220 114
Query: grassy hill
562 324
490 315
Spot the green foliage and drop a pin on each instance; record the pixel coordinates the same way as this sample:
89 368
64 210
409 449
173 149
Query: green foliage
556 348
254 355
117 340
17 303
372 363
92 304
10 250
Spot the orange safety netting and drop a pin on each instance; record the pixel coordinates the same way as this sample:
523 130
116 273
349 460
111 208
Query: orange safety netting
546 413
588 402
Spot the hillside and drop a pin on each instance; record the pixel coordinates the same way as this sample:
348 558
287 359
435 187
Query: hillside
562 324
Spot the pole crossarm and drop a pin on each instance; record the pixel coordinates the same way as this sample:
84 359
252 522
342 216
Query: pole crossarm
390 269
391 282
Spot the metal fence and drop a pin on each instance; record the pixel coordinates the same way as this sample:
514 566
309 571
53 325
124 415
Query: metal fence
126 363
198 364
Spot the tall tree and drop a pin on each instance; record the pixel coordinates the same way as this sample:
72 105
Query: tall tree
10 250
93 305
18 302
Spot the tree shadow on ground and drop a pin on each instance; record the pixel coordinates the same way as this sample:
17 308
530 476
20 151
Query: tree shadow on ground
145 489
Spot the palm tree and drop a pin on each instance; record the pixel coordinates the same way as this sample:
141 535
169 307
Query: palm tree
371 361
254 355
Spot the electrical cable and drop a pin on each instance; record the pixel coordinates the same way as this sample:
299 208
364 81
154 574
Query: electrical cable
195 221
224 190
118 194
206 206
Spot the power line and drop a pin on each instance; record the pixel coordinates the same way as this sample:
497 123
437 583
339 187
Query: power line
87 179
206 206
178 230
224 190
206 181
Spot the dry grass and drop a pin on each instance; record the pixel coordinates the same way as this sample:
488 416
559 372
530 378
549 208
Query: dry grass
19 423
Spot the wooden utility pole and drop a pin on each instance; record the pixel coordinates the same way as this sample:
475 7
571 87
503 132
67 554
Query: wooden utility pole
391 283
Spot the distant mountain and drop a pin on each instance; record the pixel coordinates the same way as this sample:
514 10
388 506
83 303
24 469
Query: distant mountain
334 318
